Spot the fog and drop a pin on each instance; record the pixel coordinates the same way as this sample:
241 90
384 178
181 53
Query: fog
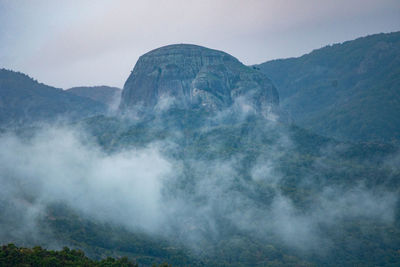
193 200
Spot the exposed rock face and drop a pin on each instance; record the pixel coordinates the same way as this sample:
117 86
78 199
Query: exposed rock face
192 76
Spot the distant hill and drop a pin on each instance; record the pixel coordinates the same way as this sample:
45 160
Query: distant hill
23 99
349 91
107 95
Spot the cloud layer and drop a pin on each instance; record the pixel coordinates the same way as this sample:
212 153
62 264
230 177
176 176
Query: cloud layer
192 199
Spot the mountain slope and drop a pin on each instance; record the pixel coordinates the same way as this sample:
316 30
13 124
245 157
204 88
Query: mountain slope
254 193
23 100
107 95
350 91
248 167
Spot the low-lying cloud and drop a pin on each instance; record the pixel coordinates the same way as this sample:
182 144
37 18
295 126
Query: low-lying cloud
188 199
57 166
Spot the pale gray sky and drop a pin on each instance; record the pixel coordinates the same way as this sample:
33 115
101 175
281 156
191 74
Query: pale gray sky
67 43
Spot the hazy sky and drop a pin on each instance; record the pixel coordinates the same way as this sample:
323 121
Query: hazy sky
67 43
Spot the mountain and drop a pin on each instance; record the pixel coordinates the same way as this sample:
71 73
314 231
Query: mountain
22 99
196 77
201 181
350 91
109 96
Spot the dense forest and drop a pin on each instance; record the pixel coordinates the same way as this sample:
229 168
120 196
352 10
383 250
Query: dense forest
10 255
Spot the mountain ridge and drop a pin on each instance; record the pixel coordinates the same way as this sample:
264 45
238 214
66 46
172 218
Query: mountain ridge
25 100
348 91
107 95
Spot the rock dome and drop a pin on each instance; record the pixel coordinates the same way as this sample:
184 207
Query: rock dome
192 76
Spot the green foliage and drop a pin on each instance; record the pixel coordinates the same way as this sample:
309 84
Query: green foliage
100 240
23 101
349 91
11 255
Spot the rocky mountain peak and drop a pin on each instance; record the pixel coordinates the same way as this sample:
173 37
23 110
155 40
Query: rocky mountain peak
192 76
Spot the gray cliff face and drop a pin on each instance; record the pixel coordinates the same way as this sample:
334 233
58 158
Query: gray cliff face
191 76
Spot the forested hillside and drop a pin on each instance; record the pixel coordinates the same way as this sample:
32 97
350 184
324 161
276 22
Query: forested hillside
234 192
24 100
109 96
350 91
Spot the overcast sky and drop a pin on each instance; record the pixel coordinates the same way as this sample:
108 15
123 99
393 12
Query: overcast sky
67 43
